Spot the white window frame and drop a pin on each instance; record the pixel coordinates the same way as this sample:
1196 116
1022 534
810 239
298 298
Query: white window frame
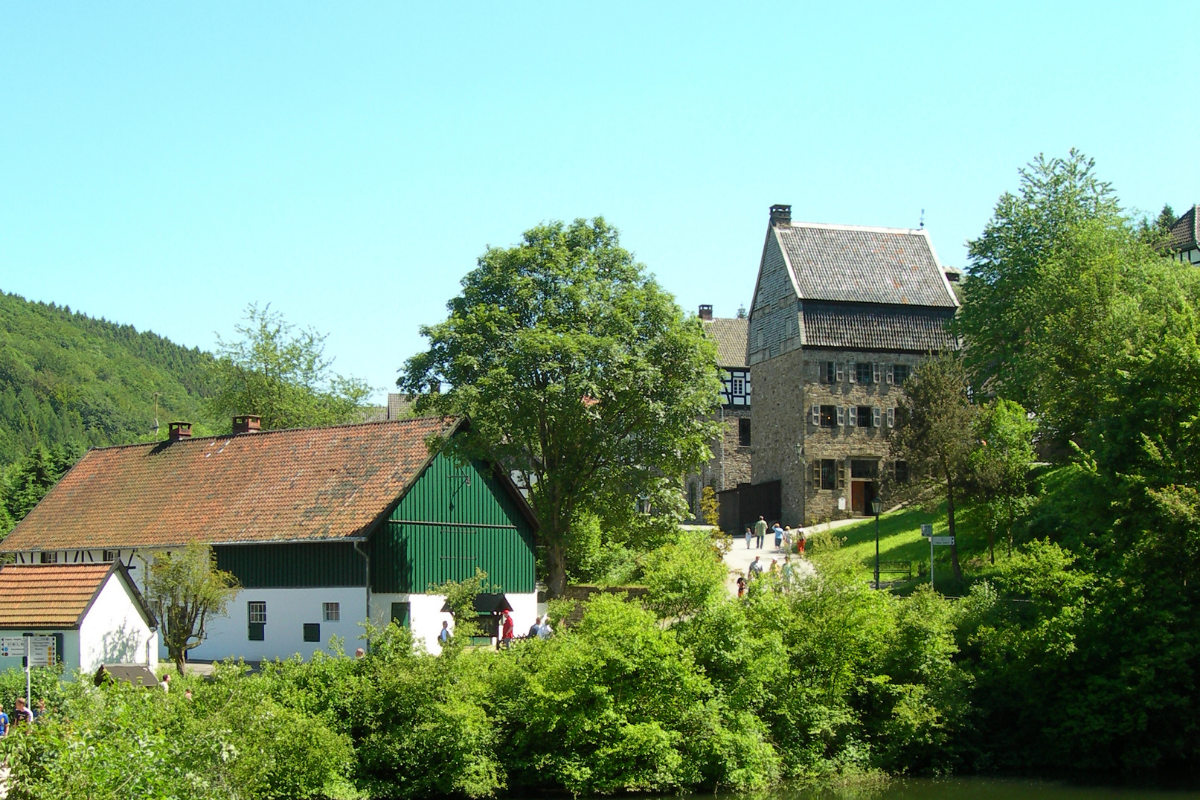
840 373
331 612
890 374
875 370
816 415
876 413
852 417
257 611
851 372
841 417
891 417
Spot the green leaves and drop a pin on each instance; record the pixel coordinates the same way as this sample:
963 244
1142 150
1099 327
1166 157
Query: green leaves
579 373
185 589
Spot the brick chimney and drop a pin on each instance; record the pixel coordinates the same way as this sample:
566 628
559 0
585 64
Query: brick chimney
781 214
706 313
178 431
247 423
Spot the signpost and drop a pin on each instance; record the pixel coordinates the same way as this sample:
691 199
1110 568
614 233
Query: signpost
34 651
927 532
942 540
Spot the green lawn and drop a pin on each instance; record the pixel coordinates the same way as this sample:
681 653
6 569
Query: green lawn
900 540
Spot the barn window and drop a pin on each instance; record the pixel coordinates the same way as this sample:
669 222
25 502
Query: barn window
312 631
331 612
258 620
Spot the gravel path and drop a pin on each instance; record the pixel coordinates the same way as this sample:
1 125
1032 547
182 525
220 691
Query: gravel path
738 558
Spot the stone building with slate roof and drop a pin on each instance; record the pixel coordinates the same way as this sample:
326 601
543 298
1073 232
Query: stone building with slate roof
730 462
1184 237
841 315
94 612
323 527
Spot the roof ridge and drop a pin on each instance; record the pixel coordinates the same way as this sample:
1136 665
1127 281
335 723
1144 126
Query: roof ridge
834 226
260 433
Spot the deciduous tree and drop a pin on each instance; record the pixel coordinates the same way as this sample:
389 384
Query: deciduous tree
934 434
579 373
998 468
281 374
185 589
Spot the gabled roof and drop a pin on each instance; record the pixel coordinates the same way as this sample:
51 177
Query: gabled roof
57 595
848 263
730 336
309 484
1185 233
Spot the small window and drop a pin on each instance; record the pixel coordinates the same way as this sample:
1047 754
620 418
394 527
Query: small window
109 556
852 418
829 415
743 432
312 631
890 374
50 558
331 612
876 370
901 470
841 416
828 372
876 416
863 372
900 373
258 620
891 417
828 473
864 416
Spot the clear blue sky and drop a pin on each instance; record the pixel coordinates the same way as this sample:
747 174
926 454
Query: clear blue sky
165 164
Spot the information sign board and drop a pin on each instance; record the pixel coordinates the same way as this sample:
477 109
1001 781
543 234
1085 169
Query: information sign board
942 540
41 651
927 530
12 646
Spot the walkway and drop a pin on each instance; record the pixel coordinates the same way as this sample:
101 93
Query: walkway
738 558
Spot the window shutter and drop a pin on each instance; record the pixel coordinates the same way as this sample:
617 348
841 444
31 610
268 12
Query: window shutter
816 416
876 412
842 467
816 473
853 416
840 374
891 417
850 373
891 375
875 370
841 416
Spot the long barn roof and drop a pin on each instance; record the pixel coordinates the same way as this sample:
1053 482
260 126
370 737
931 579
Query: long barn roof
309 484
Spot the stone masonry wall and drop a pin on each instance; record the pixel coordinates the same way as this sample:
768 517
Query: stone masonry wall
777 428
729 465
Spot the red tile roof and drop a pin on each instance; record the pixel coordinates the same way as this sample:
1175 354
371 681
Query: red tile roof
310 484
48 595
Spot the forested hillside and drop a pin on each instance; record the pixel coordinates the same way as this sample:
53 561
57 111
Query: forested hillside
69 381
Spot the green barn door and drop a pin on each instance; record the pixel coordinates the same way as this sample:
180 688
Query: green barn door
400 614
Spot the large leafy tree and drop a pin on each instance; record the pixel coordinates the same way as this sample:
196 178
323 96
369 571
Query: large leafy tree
579 373
185 589
1004 296
998 469
281 374
934 434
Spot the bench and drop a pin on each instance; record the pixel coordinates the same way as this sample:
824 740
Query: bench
896 568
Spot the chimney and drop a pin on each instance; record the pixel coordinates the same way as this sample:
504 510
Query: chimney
781 214
706 313
178 431
247 423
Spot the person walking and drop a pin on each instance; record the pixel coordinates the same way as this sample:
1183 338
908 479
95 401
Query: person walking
803 539
506 631
786 573
778 531
760 531
787 538
4 721
21 714
756 567
544 630
747 537
533 629
741 584
444 634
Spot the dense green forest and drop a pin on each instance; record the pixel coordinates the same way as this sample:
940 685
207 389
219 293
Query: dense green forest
68 380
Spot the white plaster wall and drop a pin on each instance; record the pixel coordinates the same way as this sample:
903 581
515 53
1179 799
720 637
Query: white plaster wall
287 611
426 615
70 653
113 631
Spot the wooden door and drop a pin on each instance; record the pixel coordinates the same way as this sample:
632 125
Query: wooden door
858 497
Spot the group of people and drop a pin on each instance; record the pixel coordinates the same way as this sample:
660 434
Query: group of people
540 629
22 715
786 572
786 539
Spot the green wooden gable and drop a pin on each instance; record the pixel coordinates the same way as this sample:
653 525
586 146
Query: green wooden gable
454 519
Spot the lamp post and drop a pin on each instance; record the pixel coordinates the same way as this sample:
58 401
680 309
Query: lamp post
876 507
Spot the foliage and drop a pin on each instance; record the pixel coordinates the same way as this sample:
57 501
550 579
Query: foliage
710 507
934 434
27 481
580 373
185 588
282 374
684 576
998 469
1004 305
460 599
67 379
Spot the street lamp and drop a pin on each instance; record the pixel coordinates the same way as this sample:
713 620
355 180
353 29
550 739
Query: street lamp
876 507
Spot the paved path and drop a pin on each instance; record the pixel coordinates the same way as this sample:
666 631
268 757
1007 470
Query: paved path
738 558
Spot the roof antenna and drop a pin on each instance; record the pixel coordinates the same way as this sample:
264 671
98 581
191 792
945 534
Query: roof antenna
922 219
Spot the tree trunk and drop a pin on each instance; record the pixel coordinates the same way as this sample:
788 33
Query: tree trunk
950 522
556 564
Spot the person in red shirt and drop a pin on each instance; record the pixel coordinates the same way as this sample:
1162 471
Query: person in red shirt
506 629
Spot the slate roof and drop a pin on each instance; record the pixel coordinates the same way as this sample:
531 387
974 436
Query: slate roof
730 336
309 484
1185 233
54 595
873 327
891 266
